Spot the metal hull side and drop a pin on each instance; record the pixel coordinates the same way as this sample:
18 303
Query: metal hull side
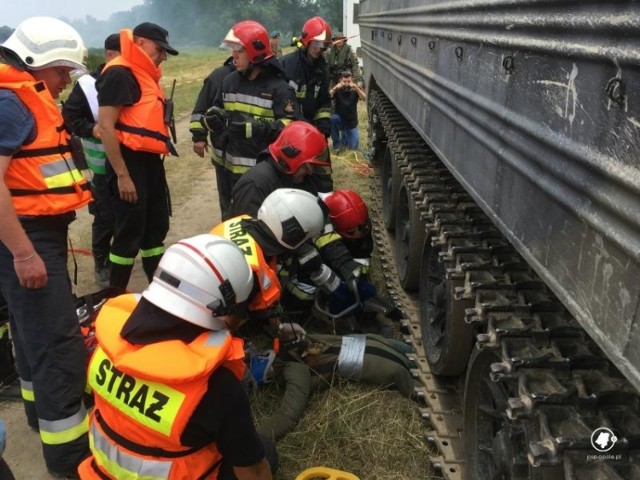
534 108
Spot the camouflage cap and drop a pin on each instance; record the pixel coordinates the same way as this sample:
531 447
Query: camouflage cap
339 36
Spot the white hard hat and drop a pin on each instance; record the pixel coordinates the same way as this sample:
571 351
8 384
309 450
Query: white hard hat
200 279
43 42
292 215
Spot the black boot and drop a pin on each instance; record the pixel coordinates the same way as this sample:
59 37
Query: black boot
102 269
120 275
149 265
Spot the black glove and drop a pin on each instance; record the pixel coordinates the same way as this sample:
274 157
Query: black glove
214 119
249 129
309 258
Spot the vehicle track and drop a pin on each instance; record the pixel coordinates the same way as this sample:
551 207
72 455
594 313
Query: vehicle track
538 387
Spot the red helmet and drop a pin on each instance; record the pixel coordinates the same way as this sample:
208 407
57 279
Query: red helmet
349 214
316 30
253 37
299 143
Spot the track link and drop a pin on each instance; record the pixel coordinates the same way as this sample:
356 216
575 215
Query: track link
559 386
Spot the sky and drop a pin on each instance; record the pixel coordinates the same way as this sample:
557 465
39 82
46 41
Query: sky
14 11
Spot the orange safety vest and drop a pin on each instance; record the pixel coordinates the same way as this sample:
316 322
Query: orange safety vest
265 272
141 126
42 177
145 396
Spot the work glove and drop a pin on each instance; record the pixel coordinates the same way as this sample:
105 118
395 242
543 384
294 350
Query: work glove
214 119
289 332
248 129
309 259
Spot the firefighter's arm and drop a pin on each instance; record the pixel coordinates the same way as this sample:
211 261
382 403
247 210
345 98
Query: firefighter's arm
257 471
28 265
205 100
336 255
107 118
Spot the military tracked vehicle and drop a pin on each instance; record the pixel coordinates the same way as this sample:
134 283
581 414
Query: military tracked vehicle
506 137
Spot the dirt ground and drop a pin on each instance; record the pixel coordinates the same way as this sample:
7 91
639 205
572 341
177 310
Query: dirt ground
195 211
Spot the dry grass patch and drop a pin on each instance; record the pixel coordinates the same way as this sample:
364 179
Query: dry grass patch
373 433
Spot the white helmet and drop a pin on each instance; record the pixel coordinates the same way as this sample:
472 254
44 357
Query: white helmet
201 278
42 42
292 215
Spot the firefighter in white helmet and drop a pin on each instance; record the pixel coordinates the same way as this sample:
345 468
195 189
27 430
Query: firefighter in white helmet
167 372
286 221
40 189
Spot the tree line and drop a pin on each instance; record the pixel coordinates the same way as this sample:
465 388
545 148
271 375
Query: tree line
206 22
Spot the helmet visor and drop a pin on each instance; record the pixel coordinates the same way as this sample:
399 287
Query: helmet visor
319 44
233 46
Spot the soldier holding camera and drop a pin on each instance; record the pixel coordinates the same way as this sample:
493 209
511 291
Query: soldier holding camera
344 120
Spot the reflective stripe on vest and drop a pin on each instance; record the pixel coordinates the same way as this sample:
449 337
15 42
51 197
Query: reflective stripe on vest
122 465
239 164
322 113
216 156
57 432
60 173
326 238
96 156
249 104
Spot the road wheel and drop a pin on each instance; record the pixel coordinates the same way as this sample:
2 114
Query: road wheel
390 187
410 233
446 337
495 446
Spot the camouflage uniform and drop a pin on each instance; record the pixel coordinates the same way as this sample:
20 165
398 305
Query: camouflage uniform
340 59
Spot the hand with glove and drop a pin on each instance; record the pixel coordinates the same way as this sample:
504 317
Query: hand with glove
289 332
247 129
214 119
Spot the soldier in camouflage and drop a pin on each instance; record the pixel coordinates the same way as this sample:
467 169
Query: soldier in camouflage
341 57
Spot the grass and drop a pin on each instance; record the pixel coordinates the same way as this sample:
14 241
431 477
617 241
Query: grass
371 432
